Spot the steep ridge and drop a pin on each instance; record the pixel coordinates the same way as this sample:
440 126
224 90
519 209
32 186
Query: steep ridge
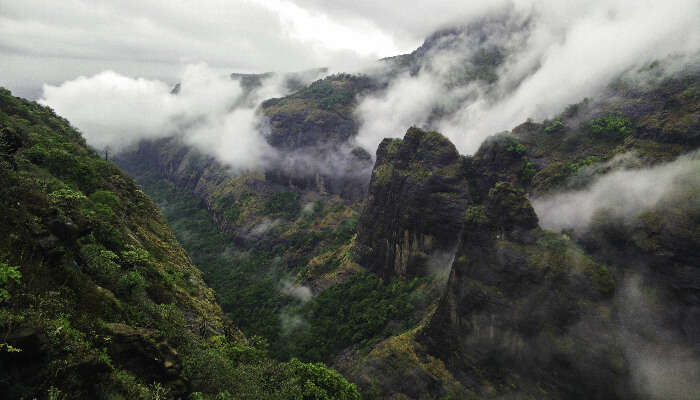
312 129
98 299
509 321
530 313
416 198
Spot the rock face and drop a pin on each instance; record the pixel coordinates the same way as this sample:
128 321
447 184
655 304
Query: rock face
189 170
520 303
317 115
312 128
143 351
417 196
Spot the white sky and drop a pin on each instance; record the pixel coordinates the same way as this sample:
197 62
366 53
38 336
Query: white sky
53 41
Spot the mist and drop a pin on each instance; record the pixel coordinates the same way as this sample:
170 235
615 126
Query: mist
625 193
555 54
662 364
209 110
545 55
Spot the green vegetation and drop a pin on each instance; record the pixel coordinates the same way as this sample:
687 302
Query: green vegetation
613 125
330 95
8 275
248 281
574 168
363 310
334 93
556 126
526 170
285 204
107 304
233 371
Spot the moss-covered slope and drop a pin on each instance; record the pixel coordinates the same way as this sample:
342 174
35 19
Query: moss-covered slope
98 300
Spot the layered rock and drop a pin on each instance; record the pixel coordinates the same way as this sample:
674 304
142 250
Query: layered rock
417 196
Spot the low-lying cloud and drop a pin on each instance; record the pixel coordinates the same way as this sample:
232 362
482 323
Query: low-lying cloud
209 111
540 56
624 193
662 363
554 54
299 292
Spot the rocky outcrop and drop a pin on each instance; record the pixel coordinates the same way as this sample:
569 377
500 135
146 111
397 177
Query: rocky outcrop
417 196
520 309
312 128
521 304
147 354
318 115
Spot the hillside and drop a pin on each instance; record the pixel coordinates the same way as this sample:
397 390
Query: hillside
528 312
557 261
363 284
307 200
98 298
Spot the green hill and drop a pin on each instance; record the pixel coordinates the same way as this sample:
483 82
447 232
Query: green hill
98 299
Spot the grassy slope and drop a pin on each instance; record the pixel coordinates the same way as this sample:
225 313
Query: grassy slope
98 298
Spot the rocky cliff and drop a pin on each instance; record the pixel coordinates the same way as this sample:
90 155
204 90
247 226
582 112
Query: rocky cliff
532 313
417 195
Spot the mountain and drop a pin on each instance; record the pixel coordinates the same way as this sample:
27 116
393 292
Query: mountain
527 312
98 298
417 196
445 272
557 261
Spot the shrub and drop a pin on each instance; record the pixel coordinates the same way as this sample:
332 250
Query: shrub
614 124
8 274
526 172
101 263
320 382
135 256
132 284
66 197
556 126
107 198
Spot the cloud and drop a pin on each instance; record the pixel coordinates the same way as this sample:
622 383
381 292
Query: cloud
407 25
264 227
440 264
550 54
555 53
407 102
299 292
291 321
625 193
210 111
45 41
663 364
291 316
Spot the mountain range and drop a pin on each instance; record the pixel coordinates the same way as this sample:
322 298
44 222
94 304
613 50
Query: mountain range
558 260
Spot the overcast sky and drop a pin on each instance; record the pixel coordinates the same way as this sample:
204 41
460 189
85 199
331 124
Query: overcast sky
45 41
